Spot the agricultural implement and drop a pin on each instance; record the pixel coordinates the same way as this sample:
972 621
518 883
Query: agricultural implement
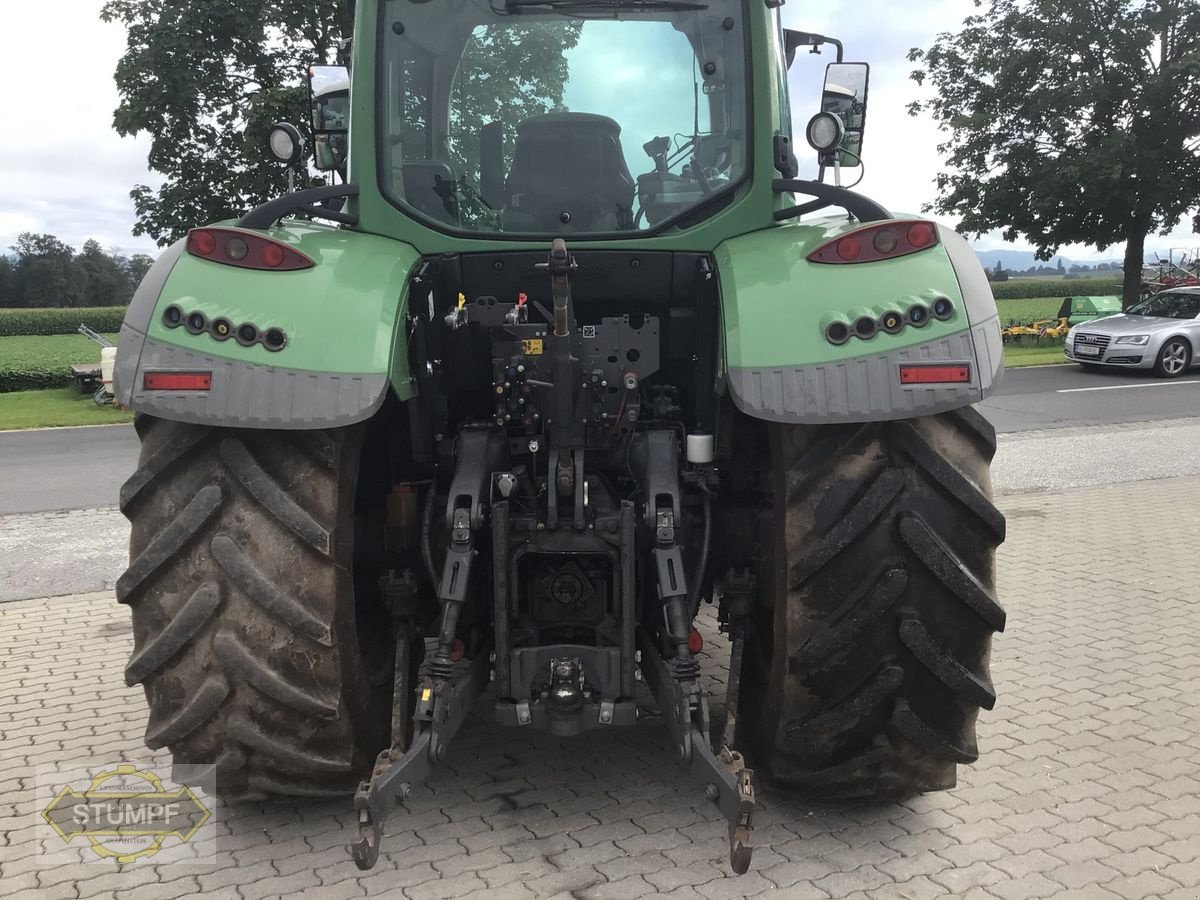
505 413
96 379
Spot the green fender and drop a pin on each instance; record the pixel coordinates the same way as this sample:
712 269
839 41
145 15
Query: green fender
777 305
343 321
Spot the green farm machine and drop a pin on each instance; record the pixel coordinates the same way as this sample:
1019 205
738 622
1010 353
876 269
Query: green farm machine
551 361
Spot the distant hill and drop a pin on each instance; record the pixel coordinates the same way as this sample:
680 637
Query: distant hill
1019 260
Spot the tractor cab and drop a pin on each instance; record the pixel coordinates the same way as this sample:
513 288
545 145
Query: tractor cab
565 117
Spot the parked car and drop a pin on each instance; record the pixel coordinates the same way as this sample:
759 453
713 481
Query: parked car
1161 332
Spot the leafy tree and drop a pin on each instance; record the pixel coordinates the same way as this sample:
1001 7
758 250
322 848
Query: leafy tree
136 268
999 274
100 278
206 81
43 270
8 282
1069 121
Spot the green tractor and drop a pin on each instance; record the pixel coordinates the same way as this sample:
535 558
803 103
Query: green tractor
550 362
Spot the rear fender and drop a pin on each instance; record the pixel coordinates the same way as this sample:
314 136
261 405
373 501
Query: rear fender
343 321
777 305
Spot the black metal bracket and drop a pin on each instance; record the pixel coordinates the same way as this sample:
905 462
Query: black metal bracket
862 208
729 783
305 202
442 706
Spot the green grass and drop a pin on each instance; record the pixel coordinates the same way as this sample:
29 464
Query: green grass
1017 355
51 350
1028 310
64 406
43 361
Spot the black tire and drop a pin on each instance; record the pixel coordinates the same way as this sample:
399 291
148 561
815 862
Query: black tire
1174 359
868 661
240 585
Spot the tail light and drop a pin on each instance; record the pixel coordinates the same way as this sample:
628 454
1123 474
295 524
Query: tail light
885 240
231 247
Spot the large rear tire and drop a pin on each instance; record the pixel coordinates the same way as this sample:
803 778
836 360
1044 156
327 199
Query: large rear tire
868 660
244 617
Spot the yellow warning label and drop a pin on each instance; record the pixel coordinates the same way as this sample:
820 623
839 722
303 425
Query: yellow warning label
532 347
425 695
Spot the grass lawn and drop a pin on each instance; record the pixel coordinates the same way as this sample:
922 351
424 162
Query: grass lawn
61 406
49 351
1017 355
1028 310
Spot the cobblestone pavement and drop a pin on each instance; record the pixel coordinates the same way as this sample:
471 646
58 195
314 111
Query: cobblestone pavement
1088 785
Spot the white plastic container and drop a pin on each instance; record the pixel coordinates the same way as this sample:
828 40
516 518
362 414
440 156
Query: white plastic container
108 358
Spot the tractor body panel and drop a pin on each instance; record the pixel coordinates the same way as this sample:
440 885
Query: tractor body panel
777 305
339 317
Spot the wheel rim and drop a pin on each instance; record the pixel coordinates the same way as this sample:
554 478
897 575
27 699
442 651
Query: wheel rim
1174 358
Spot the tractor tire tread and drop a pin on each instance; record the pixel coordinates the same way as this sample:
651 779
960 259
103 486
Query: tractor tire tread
870 659
241 594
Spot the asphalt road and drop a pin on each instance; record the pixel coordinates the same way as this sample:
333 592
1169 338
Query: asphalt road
82 468
1062 396
64 468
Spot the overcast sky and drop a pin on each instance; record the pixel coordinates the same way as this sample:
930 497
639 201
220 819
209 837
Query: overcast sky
64 171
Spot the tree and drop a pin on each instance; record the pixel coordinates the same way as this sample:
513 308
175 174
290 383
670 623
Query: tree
100 277
136 268
1069 121
206 81
43 270
999 274
8 282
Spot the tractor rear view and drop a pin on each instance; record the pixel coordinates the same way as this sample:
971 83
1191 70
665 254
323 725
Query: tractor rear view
567 365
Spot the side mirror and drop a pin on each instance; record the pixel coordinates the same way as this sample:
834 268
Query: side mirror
491 164
329 102
845 96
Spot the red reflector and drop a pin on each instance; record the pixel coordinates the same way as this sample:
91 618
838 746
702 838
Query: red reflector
849 249
920 235
272 255
935 374
177 381
202 243
695 641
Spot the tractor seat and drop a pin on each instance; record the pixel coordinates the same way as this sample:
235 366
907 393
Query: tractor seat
568 174
429 187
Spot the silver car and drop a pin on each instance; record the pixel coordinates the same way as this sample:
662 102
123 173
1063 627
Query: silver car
1161 332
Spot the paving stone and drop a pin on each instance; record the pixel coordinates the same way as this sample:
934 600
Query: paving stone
1088 787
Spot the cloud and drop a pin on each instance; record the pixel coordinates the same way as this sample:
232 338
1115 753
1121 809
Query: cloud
64 170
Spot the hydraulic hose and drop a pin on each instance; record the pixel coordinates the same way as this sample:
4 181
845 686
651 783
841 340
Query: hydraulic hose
426 535
702 566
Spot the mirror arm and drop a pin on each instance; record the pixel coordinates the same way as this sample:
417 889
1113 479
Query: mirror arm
863 208
272 211
809 39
